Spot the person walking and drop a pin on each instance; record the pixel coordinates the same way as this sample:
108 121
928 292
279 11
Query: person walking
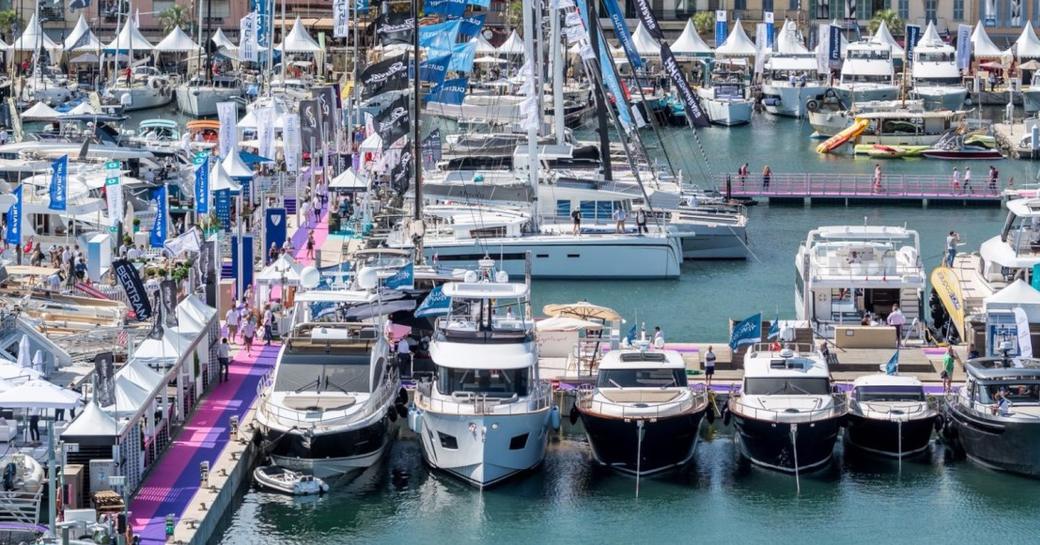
248 332
268 322
877 178
952 240
994 175
620 216
956 180
897 320
232 319
641 222
310 245
742 173
967 179
576 218
224 359
767 173
947 370
709 366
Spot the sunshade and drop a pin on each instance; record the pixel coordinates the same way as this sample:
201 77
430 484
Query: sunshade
582 310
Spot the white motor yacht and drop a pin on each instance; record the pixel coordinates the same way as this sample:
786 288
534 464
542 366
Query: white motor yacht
486 415
936 78
793 85
726 98
199 96
889 416
867 74
844 272
833 116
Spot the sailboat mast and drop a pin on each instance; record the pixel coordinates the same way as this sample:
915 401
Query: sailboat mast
209 32
416 145
532 128
601 106
558 81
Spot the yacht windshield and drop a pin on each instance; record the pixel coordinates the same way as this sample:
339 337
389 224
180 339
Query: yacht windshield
787 386
491 382
320 373
1015 392
889 393
641 378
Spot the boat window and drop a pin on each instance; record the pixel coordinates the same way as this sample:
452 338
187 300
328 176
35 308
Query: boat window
563 208
493 382
641 378
889 393
1016 392
787 386
323 373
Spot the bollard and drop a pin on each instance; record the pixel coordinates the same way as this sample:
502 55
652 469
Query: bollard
204 471
169 525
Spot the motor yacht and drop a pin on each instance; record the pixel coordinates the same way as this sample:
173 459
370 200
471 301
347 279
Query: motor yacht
832 115
936 79
641 417
485 416
867 74
793 85
726 97
889 415
148 88
786 415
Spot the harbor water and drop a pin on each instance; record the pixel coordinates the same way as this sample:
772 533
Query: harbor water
718 499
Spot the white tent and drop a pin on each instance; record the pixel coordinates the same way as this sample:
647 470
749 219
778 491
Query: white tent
236 167
299 40
645 44
372 143
33 38
248 121
129 398
81 38
512 46
884 36
176 42
164 352
40 112
39 394
193 314
129 38
94 422
219 179
348 180
788 42
737 44
14 374
284 270
689 43
931 38
83 108
138 372
1027 46
982 46
221 40
484 47
1017 294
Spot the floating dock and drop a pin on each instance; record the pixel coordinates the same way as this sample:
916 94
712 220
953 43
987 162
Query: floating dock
847 188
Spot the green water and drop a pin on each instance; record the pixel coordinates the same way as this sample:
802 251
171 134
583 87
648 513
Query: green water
718 501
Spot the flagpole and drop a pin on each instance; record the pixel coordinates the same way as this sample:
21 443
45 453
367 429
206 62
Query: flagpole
419 230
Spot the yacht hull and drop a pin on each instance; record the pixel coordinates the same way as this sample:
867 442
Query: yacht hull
851 94
881 437
784 100
942 98
144 97
996 442
728 113
1031 100
721 242
488 448
768 444
668 443
202 101
330 454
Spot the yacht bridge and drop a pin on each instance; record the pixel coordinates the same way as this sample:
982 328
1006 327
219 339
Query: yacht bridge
850 187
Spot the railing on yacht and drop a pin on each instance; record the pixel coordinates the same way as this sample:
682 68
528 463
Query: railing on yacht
588 403
838 407
801 349
314 418
889 413
886 265
538 399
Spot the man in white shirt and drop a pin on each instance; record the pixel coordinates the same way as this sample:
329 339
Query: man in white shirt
224 358
658 338
897 320
404 357
231 319
709 367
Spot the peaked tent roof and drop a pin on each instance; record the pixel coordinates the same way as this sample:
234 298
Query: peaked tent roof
236 167
512 46
645 44
348 180
219 179
982 46
93 422
884 36
737 44
192 309
1016 294
129 397
299 40
177 42
285 269
81 38
931 38
34 37
129 38
484 47
138 372
788 42
1027 46
689 43
40 111
221 40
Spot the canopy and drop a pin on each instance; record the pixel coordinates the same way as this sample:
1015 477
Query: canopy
40 112
565 323
512 46
138 372
129 398
129 38
484 47
14 374
299 40
219 179
373 143
193 314
177 42
93 422
884 37
582 310
789 43
83 108
689 43
39 394
1027 46
931 38
1017 294
221 40
284 270
163 352
348 180
81 38
34 37
250 158
737 44
982 46
645 44
235 167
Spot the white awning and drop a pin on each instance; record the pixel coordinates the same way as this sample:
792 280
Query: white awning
1027 46
348 180
299 40
177 42
512 46
34 38
129 38
737 44
982 46
140 374
39 394
884 36
645 44
161 353
193 314
40 112
93 422
689 43
1016 294
129 398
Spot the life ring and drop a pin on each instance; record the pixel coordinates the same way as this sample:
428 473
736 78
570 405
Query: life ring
812 106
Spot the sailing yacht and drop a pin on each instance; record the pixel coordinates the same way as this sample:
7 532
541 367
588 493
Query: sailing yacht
486 415
198 97
146 87
936 78
868 73
793 84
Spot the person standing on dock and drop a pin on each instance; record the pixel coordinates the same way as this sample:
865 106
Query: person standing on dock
766 174
897 320
947 372
742 173
576 218
709 367
952 240
877 178
994 175
223 357
641 222
956 180
967 179
658 338
232 319
619 219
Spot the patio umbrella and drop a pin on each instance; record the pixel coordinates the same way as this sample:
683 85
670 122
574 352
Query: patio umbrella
39 394
582 310
991 66
565 323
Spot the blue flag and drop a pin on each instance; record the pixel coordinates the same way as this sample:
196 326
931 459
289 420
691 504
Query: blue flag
435 304
482 3
223 206
631 336
774 328
59 184
202 185
721 27
607 70
447 8
157 236
404 278
452 91
434 69
748 331
622 33
462 56
892 367
14 218
472 24
440 36
361 6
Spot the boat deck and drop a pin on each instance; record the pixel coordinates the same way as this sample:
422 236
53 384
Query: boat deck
856 187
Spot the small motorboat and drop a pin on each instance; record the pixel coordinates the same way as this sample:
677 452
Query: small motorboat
954 147
881 151
21 473
287 481
889 415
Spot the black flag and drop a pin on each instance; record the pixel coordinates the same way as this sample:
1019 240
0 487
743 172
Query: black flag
384 76
168 300
691 102
393 122
310 130
395 28
131 283
646 15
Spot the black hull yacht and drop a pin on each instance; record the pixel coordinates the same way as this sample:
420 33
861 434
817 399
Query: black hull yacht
786 416
642 418
995 417
889 416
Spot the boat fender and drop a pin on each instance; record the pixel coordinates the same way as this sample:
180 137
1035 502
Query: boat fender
812 106
415 420
711 415
401 409
940 423
726 415
402 396
554 417
573 417
392 414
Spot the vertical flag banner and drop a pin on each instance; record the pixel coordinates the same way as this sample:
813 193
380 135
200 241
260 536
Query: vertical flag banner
223 206
227 113
113 195
157 236
892 367
59 190
691 102
913 34
265 119
834 45
622 33
340 19
822 53
989 13
647 17
14 218
202 182
262 21
770 29
291 140
130 281
721 29
249 46
275 232
963 46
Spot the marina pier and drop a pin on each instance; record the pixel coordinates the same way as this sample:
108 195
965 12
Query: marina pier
829 187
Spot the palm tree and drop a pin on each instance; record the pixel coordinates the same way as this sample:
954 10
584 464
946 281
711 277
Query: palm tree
891 19
174 16
704 22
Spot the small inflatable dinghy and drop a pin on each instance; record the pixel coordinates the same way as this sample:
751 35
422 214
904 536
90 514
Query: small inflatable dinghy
288 481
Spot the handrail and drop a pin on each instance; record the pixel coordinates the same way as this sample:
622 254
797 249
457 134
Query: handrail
587 402
539 398
273 412
837 185
838 408
890 414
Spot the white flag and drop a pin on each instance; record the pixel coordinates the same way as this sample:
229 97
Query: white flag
291 142
340 18
187 242
247 47
265 119
227 113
